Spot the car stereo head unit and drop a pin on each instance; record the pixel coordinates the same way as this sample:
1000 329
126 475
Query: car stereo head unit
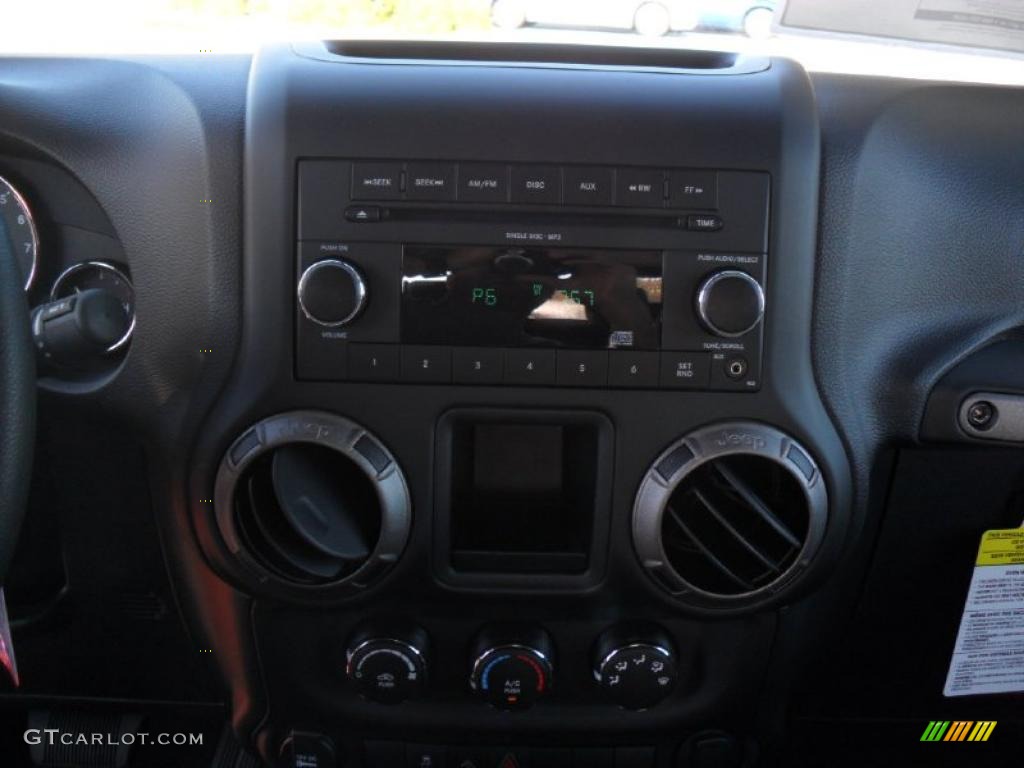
559 289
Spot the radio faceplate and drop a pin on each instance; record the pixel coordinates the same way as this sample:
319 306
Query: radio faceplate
424 287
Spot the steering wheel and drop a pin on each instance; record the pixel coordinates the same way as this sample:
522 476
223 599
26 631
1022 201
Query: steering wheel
17 402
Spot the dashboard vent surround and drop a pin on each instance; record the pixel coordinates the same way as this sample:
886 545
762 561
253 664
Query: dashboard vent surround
730 515
735 525
309 504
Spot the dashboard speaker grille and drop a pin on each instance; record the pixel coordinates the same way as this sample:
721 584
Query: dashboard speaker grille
735 524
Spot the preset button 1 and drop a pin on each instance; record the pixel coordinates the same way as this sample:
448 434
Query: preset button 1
373 362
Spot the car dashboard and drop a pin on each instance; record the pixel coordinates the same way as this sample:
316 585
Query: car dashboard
517 405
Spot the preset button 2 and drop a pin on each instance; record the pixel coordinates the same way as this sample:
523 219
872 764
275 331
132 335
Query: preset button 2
426 365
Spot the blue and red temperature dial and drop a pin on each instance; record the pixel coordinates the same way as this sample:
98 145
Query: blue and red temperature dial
512 675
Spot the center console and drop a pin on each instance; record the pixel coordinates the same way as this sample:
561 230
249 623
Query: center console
523 451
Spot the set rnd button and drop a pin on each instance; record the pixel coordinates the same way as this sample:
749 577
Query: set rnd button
685 370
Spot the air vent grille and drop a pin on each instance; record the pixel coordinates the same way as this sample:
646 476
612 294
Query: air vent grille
307 513
735 524
309 506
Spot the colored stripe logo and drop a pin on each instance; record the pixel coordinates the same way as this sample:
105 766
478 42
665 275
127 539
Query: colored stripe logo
958 730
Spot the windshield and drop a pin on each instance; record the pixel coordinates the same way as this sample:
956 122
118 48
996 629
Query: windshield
978 40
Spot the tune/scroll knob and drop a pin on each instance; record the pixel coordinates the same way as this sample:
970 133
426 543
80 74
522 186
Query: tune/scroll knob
332 292
514 670
636 669
388 669
730 303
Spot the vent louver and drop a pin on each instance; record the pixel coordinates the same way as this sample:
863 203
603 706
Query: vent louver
730 515
735 525
307 513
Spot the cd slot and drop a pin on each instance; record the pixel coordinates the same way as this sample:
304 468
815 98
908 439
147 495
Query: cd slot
561 216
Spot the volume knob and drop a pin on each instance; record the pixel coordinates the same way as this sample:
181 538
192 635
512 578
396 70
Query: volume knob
332 292
730 303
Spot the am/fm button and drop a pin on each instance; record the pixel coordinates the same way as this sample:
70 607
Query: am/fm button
483 183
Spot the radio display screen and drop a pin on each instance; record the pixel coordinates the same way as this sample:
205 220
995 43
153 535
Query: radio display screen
578 298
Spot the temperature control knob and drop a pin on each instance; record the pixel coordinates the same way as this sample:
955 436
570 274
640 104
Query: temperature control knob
332 292
730 303
635 670
512 671
388 670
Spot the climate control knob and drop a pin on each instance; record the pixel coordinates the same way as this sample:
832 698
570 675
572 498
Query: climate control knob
637 670
332 292
730 303
514 670
388 669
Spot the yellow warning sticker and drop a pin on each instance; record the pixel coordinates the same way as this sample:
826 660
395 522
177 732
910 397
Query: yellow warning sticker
1002 547
989 653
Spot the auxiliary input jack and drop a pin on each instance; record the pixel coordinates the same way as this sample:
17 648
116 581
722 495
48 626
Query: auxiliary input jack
736 367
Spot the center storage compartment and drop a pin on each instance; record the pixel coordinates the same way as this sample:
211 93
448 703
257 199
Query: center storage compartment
523 492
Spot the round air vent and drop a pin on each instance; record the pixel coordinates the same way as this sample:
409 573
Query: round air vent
730 515
310 499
